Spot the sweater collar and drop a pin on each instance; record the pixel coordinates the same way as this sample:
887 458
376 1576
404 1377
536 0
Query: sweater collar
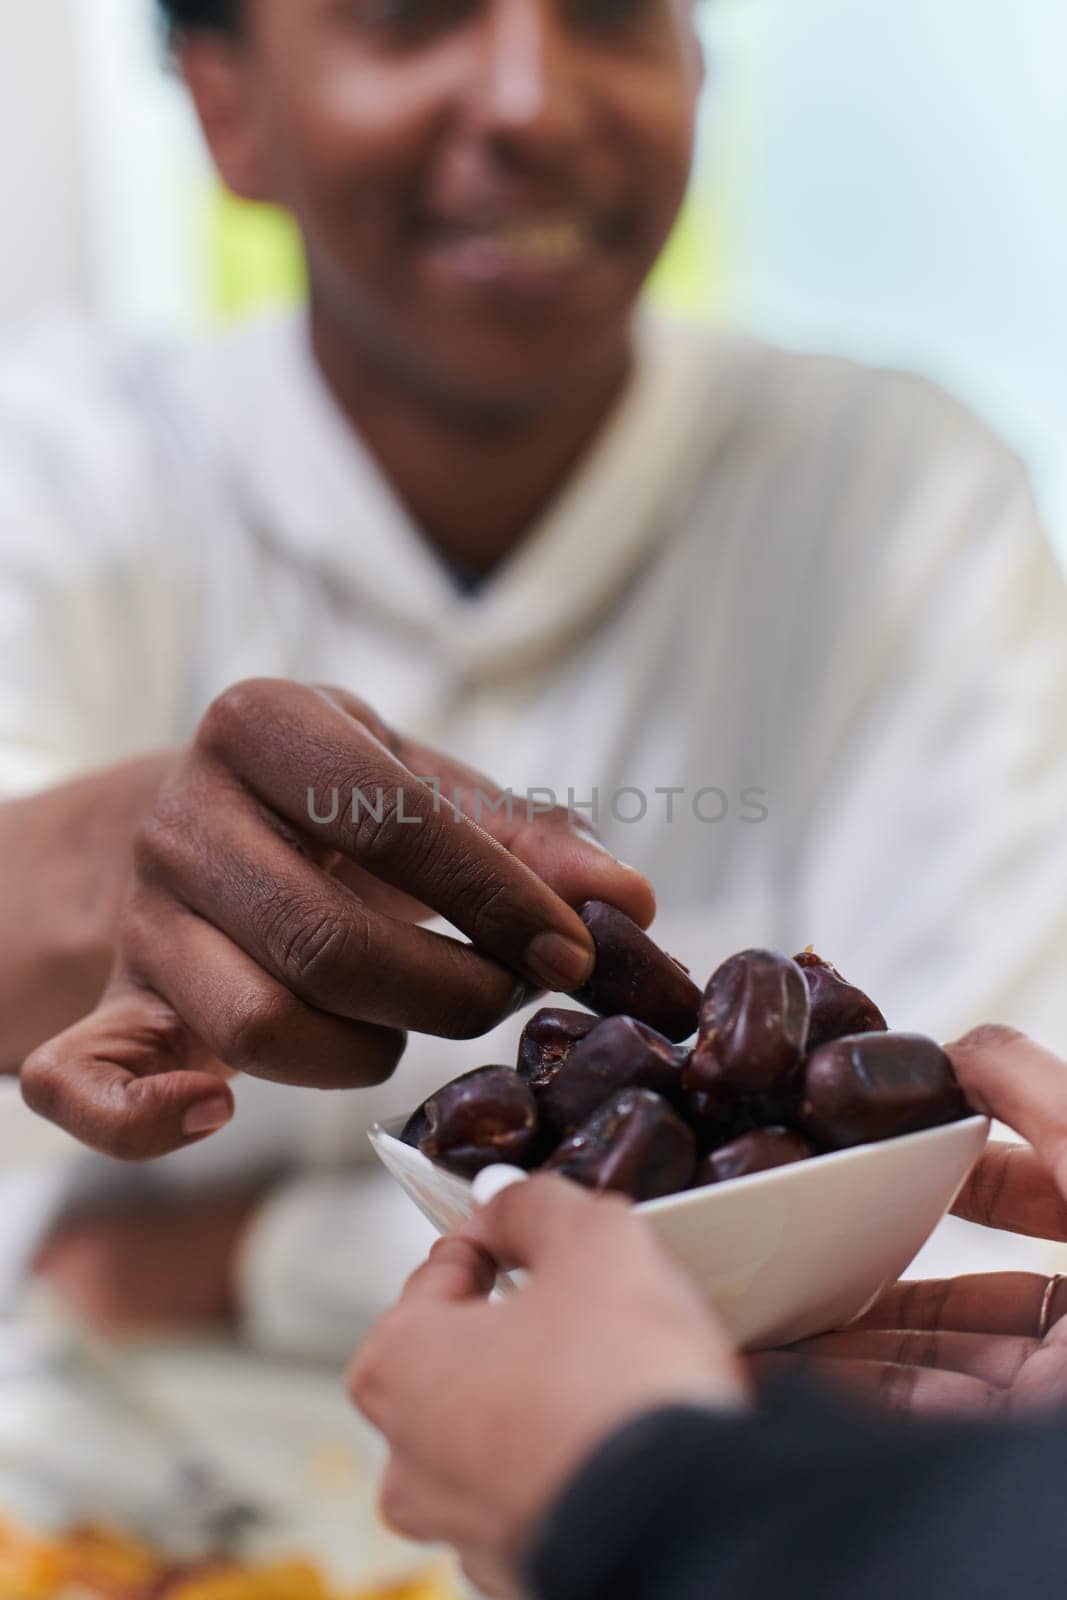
302 471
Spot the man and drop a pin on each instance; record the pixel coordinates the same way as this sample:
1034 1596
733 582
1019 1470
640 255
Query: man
784 628
595 1435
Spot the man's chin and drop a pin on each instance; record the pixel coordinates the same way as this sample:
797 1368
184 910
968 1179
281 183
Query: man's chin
516 379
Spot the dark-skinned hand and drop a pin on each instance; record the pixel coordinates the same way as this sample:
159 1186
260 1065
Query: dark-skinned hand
258 940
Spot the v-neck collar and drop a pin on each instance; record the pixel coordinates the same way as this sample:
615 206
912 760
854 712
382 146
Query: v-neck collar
310 475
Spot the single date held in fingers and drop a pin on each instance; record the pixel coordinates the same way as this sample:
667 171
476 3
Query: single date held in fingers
635 978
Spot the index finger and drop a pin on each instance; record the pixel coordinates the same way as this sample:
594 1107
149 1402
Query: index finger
456 1270
561 846
557 844
1008 1076
1010 1189
543 1221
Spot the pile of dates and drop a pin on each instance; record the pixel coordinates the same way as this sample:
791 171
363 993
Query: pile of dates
789 1061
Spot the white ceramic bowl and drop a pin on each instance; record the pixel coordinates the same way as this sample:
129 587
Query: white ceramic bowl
783 1254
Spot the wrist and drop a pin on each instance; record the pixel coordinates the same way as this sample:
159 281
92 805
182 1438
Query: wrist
71 853
611 1525
721 1395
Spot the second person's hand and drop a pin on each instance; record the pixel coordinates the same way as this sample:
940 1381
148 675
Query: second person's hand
988 1341
489 1408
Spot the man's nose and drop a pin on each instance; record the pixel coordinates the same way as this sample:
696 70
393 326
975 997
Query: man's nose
529 84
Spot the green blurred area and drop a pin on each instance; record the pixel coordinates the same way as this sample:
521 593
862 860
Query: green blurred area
255 262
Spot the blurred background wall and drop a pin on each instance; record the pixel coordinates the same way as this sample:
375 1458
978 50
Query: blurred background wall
883 179
43 259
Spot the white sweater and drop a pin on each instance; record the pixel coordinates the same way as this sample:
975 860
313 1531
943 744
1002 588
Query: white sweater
786 586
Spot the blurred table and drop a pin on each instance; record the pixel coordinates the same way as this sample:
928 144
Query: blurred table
281 1435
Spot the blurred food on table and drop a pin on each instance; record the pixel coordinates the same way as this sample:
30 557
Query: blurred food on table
97 1564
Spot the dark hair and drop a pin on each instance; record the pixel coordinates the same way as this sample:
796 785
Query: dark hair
181 15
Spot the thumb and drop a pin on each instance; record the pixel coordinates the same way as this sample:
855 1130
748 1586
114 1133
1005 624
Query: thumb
545 1223
456 1271
126 1080
1007 1076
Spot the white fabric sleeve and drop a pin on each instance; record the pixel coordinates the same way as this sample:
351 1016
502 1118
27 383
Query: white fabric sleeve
324 1257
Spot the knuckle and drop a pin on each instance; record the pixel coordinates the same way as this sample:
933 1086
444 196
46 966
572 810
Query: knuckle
993 1036
394 1504
315 949
161 842
353 705
490 905
558 820
230 715
364 1373
383 832
123 1137
987 1183
564 821
443 1249
138 929
896 1386
258 1029
917 1348
477 886
42 1083
926 1304
512 1204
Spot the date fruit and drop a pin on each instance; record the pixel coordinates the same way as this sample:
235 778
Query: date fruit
790 1060
716 1124
753 1027
838 1008
617 1054
635 978
547 1040
634 1145
485 1116
873 1086
758 1151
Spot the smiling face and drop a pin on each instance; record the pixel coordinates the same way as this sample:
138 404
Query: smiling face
482 185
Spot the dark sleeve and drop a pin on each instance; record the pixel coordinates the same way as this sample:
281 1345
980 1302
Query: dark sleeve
809 1499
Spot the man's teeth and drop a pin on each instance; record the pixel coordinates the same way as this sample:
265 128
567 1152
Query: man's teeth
552 242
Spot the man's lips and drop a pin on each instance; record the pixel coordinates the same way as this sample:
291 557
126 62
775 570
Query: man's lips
552 241
548 239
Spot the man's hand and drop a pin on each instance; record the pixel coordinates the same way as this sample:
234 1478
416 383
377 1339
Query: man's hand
990 1341
152 1268
489 1408
259 939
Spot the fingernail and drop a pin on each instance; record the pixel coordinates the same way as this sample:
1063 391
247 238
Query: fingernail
207 1116
558 962
492 1181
